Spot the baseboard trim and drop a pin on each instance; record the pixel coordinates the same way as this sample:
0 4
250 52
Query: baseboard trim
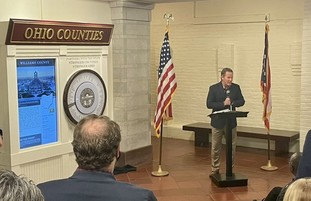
136 157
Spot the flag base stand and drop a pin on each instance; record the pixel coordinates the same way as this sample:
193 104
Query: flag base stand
269 167
159 173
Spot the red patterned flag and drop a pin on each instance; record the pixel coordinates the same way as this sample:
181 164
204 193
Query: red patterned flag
168 115
166 85
265 83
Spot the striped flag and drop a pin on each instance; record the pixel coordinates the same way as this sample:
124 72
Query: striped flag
168 115
166 85
265 83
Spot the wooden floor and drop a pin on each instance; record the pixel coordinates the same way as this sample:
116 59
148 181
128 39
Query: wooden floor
189 168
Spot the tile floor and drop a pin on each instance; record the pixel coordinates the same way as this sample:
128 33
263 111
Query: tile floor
189 169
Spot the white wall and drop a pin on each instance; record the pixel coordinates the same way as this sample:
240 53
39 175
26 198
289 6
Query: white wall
64 10
209 35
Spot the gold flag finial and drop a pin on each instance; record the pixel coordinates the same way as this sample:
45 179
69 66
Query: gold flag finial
168 17
266 22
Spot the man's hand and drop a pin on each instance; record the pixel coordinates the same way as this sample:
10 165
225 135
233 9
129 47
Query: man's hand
227 101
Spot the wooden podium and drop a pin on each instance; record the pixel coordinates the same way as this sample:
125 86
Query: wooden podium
229 179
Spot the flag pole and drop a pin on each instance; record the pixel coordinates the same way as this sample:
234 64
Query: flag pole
160 172
269 166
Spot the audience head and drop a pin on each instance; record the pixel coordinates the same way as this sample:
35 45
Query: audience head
17 188
294 162
299 190
96 141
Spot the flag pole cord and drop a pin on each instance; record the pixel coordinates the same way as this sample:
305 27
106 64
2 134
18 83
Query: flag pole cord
160 172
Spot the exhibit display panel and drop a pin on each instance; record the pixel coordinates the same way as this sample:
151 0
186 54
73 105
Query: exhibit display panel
37 131
48 82
37 108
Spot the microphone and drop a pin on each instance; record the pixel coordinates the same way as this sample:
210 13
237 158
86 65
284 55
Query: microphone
228 93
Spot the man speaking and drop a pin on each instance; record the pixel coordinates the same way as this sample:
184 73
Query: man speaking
223 95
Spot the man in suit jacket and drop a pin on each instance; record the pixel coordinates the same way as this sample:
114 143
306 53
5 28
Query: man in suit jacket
304 167
223 95
96 146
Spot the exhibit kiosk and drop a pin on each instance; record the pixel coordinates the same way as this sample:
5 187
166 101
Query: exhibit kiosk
52 74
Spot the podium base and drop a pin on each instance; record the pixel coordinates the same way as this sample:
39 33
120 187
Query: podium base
221 180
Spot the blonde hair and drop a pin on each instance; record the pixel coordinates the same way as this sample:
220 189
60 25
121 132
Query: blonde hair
299 190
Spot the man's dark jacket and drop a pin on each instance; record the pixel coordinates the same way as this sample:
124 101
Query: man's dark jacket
93 186
215 101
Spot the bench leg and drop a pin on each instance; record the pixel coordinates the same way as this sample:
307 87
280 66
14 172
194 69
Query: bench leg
281 147
201 138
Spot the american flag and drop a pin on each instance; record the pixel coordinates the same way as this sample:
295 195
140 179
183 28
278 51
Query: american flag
265 83
166 85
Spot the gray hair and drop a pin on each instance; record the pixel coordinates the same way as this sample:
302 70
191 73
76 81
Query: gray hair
18 188
294 162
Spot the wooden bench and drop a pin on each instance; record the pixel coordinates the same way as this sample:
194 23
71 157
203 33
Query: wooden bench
282 138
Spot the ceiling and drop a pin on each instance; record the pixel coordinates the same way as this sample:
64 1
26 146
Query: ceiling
151 1
161 1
